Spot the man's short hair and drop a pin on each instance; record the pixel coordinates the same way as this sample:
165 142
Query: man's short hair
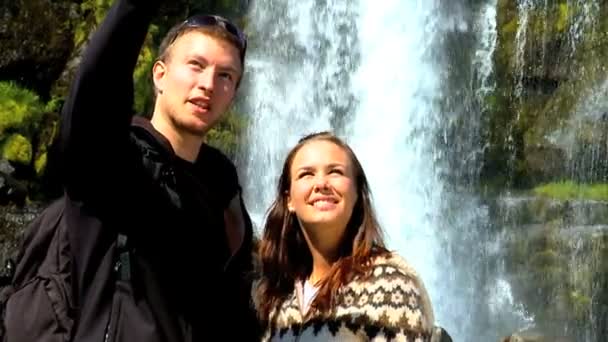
217 31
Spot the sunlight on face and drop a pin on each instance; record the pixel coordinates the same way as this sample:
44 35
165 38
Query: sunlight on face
323 188
197 82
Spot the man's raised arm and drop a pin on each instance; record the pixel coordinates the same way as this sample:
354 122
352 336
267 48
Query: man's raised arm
97 113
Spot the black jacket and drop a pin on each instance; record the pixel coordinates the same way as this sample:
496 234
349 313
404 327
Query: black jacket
121 175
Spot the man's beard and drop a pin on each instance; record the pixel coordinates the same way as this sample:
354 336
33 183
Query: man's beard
185 128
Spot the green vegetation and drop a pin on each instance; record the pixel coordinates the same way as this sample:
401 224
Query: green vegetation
19 107
570 190
226 135
27 127
28 124
550 276
17 149
93 11
563 18
539 96
142 77
40 164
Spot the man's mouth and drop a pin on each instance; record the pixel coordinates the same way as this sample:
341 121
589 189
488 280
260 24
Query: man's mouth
202 105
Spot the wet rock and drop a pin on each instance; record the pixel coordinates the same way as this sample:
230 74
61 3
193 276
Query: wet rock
534 337
524 210
6 167
13 220
11 190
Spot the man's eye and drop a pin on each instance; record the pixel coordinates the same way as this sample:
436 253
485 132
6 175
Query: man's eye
196 64
227 76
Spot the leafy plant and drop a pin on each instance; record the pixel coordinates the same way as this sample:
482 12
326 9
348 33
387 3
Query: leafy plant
571 190
18 107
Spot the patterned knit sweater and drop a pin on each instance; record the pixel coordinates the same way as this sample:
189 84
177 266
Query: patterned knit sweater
391 305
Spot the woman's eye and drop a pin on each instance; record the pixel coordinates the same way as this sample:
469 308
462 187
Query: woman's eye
304 174
337 171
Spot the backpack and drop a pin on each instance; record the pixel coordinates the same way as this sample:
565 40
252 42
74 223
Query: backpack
37 300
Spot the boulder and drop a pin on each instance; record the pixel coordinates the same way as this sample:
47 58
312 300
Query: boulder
530 336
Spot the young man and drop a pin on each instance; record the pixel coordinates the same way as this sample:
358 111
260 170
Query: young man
176 199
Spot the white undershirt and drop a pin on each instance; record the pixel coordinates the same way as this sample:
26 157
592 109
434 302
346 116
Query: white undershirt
308 293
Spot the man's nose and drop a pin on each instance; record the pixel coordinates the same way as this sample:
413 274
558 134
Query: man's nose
207 79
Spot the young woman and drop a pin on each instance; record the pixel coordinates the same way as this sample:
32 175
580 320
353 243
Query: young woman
326 274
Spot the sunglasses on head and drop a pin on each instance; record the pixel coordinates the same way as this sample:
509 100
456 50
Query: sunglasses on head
215 20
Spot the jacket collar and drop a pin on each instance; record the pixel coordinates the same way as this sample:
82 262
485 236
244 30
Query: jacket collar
144 124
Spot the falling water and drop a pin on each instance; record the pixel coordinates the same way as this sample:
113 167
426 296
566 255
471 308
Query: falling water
300 62
394 126
375 74
567 60
523 8
367 72
484 52
370 73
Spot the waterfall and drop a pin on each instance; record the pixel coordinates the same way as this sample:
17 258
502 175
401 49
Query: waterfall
394 125
523 8
406 84
369 72
484 51
299 67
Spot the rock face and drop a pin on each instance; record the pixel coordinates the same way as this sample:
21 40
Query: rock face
547 119
36 39
13 220
553 255
533 337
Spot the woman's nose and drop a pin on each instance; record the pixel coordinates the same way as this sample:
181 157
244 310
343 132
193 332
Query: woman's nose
321 183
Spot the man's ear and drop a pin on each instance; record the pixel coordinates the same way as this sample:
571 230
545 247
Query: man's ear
159 70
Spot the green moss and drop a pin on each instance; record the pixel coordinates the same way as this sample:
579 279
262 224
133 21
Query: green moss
511 26
40 164
571 190
226 134
544 258
563 17
18 149
18 106
54 105
93 12
580 304
142 77
506 44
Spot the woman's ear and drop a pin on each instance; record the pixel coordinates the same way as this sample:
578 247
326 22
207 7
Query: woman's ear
290 206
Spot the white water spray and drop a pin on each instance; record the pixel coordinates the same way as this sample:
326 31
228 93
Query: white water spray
298 71
394 126
366 71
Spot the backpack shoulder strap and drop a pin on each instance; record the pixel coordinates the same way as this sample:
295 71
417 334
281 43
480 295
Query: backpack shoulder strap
123 263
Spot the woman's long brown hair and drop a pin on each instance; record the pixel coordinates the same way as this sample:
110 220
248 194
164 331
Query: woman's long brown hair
284 254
